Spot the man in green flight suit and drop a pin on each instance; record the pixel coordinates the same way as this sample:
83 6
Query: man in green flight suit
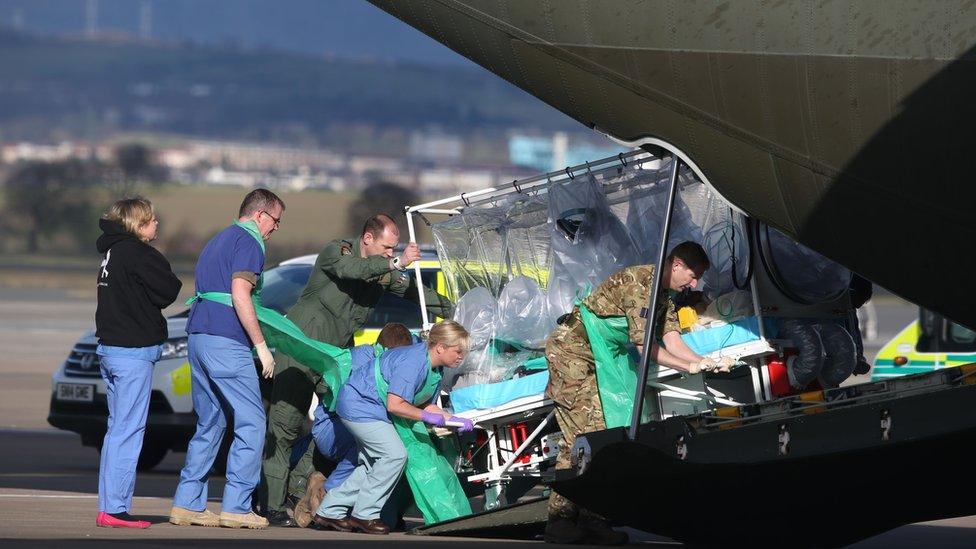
347 281
573 371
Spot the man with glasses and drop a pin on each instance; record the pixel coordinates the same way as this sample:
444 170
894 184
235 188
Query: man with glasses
225 386
347 281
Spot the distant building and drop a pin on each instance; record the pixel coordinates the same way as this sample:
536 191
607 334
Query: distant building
554 153
435 147
34 152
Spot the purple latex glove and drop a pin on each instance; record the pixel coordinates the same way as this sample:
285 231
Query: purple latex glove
432 418
467 425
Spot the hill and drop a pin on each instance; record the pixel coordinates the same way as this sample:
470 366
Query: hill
343 28
53 86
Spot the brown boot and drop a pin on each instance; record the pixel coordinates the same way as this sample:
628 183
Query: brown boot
324 523
598 530
314 493
563 531
373 526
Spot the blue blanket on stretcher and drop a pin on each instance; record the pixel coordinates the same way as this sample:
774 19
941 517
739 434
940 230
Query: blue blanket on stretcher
490 395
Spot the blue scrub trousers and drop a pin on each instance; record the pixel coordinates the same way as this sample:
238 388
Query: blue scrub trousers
382 458
225 390
335 442
128 379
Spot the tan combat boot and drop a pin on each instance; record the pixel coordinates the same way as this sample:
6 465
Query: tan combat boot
314 493
185 517
243 520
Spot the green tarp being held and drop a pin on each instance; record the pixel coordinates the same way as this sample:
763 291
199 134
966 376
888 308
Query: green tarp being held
435 486
616 370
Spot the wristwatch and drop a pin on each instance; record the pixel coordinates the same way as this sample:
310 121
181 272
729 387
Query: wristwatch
397 265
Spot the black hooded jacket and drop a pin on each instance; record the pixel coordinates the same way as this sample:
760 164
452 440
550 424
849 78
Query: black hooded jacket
135 282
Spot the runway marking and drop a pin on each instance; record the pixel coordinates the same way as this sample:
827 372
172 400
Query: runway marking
52 496
87 496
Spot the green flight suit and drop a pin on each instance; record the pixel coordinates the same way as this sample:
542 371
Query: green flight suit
339 296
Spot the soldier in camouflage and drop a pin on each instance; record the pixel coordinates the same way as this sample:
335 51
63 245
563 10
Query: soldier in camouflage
347 281
572 371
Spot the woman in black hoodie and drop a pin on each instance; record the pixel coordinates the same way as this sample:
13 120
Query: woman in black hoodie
135 283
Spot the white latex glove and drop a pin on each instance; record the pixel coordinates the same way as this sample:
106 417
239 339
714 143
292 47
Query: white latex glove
266 358
726 363
704 365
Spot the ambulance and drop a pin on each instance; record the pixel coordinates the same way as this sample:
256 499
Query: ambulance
927 344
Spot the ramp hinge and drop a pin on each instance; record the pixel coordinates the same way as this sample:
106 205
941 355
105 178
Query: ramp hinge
784 440
885 425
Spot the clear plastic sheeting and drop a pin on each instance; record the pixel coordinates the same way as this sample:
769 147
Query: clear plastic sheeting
727 307
523 314
699 216
519 260
471 250
589 243
476 311
804 275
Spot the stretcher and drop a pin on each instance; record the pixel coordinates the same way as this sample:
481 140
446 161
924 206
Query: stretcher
516 436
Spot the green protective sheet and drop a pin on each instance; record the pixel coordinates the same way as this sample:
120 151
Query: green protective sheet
435 486
616 371
281 334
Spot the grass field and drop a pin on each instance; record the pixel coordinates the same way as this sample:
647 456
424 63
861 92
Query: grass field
311 216
189 216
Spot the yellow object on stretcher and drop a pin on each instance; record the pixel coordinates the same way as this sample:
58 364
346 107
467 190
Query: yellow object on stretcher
687 317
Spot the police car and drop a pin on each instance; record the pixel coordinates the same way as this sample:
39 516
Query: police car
78 399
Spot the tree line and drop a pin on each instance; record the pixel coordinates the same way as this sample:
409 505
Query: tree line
53 207
54 204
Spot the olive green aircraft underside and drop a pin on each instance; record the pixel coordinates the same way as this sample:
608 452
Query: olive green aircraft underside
849 125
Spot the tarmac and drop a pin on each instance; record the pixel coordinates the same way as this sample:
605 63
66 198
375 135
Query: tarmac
49 482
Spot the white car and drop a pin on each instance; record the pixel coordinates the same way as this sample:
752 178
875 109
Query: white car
78 400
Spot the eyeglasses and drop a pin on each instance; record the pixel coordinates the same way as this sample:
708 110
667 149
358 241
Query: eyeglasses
277 220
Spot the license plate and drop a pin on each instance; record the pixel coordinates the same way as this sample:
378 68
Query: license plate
76 392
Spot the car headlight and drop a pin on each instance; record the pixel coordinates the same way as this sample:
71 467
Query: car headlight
174 348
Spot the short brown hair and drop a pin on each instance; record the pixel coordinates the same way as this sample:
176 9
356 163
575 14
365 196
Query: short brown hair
448 333
131 213
378 223
393 335
691 254
258 200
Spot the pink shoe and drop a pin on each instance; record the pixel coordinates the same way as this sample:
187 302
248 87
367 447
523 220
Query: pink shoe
106 520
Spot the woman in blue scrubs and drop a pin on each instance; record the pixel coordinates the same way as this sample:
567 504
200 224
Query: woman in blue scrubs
135 283
410 376
331 437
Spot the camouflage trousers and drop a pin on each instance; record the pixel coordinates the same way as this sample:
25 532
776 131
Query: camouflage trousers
572 387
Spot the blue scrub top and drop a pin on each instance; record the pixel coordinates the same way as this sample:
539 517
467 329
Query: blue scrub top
405 370
361 356
231 251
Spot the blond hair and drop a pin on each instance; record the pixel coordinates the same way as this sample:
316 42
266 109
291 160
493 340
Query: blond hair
131 213
449 334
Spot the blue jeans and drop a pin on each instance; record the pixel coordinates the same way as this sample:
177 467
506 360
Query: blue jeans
127 372
225 389
382 459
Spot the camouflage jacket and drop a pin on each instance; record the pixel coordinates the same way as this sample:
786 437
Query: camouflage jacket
624 293
344 288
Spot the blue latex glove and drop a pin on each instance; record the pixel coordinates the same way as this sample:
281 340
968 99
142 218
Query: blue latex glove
467 426
432 418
